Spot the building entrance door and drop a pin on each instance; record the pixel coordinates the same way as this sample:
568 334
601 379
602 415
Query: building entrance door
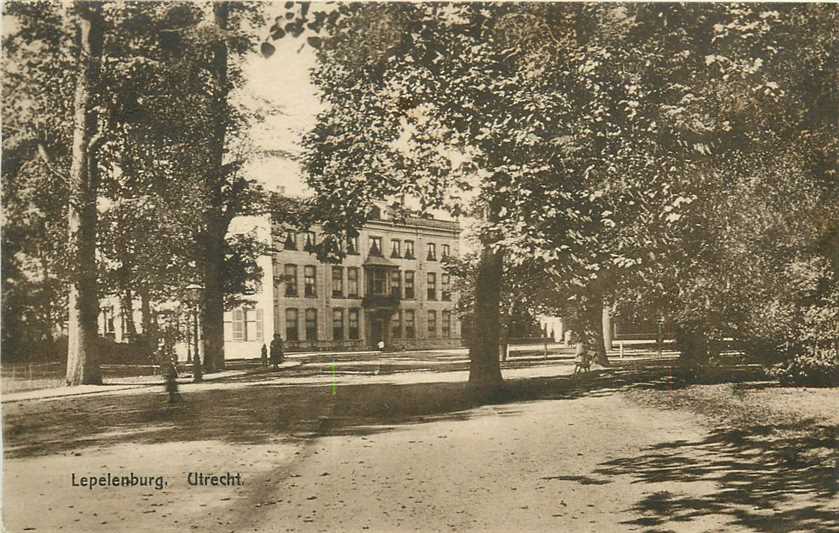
377 327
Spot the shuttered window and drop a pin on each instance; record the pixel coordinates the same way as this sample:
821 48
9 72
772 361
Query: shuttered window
238 325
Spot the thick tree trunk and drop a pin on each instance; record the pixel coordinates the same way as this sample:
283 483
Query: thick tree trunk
212 301
590 323
215 219
484 368
48 314
82 363
692 341
145 312
594 315
128 314
607 327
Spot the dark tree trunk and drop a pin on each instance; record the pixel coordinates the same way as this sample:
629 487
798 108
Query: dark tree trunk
212 303
146 320
692 341
594 329
145 311
82 363
607 328
128 313
49 311
216 221
484 368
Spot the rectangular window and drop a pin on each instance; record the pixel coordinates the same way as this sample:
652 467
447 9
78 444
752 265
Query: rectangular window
310 241
431 286
447 324
410 332
352 282
432 323
377 281
309 278
432 252
291 332
375 246
337 282
291 280
445 251
396 284
338 324
290 240
409 285
445 281
238 325
311 324
353 329
352 245
395 248
396 325
409 250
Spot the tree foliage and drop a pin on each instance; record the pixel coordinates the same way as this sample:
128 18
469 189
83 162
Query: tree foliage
155 100
624 151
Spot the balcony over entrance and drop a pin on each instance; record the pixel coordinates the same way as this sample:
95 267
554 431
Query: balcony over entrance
380 301
381 292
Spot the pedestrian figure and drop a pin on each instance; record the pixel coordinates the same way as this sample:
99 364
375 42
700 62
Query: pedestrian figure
276 350
264 355
172 383
381 345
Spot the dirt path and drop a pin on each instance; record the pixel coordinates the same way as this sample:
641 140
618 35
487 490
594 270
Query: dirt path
527 467
530 464
410 452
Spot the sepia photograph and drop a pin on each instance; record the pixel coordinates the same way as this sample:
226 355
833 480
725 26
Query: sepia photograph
423 266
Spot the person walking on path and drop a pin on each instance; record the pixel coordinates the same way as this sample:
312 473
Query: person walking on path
263 354
172 383
276 350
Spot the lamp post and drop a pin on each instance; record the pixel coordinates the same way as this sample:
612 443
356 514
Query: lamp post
193 297
189 337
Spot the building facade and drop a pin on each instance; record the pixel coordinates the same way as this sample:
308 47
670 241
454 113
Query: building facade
390 287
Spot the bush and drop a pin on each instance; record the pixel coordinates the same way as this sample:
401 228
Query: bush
819 369
139 351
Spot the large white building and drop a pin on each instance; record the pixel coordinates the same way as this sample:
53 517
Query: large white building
391 286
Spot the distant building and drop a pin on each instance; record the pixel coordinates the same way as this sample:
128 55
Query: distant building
390 287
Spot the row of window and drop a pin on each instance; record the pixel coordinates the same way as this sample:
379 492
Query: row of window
292 324
407 317
376 246
376 283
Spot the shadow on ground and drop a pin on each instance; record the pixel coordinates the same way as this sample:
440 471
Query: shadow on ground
757 470
768 477
260 411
